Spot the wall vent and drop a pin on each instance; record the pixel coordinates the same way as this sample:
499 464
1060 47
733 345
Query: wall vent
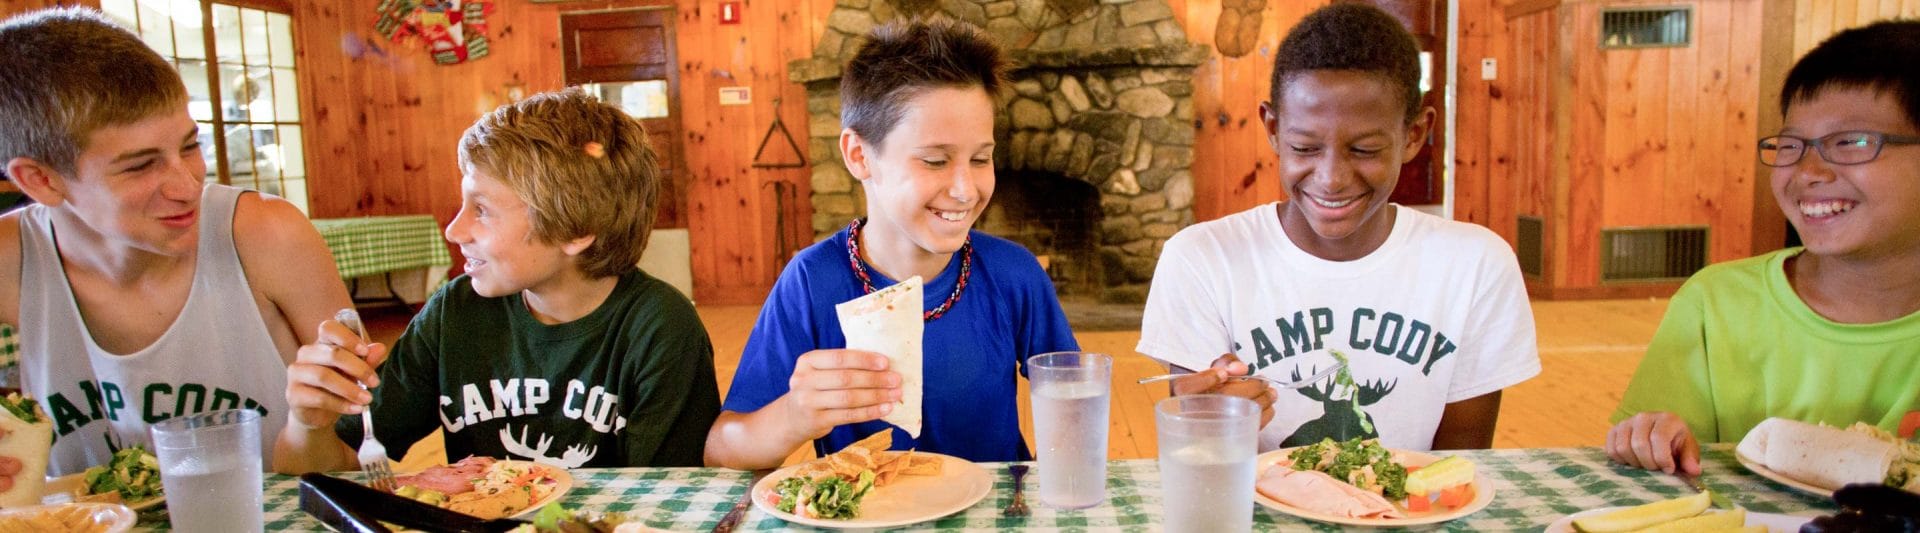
1670 253
1646 27
1530 245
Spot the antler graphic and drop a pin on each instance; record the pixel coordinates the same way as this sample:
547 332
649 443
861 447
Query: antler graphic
577 455
519 446
1373 391
1313 392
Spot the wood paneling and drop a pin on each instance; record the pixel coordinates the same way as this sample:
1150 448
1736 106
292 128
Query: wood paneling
385 121
1615 138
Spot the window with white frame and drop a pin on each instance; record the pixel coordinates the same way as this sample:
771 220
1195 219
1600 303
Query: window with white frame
238 64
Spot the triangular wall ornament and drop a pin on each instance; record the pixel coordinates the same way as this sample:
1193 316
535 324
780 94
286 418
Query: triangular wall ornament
799 156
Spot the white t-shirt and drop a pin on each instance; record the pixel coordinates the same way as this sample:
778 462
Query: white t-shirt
1437 314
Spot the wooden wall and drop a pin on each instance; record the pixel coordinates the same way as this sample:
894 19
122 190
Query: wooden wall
1587 138
1815 20
384 121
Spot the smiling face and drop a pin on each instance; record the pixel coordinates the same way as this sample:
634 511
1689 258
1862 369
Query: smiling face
1865 210
1341 136
931 177
494 231
139 184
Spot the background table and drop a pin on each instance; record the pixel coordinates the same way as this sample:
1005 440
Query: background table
387 244
1534 488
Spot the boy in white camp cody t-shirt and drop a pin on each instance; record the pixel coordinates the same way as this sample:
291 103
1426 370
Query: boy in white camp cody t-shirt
1431 314
1436 315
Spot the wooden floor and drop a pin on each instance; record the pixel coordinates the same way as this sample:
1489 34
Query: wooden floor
1588 350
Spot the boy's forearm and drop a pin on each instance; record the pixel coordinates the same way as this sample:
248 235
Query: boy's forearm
750 441
299 451
1468 424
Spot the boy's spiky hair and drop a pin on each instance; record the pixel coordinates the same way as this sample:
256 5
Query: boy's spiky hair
903 57
67 72
582 166
1881 56
1357 37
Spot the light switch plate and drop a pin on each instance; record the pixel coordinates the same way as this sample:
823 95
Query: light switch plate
1489 68
736 95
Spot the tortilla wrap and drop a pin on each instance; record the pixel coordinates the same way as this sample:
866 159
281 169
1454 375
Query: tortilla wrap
889 322
1818 455
30 443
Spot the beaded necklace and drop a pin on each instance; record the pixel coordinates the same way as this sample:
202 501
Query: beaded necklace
860 269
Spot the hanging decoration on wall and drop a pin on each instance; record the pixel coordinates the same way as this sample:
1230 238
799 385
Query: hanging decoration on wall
454 31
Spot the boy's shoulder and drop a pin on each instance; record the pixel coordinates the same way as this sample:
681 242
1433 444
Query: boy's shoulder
1749 274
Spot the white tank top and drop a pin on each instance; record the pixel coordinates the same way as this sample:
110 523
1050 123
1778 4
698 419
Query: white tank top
216 354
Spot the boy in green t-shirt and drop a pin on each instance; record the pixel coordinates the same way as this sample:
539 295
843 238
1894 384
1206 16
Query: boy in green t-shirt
1827 333
553 347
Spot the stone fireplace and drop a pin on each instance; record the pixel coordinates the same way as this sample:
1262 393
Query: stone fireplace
1095 135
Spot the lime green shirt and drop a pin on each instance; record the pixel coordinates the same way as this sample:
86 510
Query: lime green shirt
1737 346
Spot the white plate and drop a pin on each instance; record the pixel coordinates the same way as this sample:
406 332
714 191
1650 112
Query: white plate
562 482
908 500
109 517
1776 523
1757 468
76 485
1482 495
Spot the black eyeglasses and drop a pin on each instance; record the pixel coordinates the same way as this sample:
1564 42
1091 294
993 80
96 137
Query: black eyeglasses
1843 148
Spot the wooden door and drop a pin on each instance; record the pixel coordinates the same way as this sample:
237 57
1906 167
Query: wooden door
1420 179
634 49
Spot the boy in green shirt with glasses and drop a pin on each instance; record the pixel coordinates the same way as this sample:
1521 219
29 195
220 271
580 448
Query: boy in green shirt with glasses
1829 332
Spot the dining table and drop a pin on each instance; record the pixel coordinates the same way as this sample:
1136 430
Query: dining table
1533 488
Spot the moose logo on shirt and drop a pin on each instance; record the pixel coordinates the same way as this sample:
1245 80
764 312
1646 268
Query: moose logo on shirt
1343 418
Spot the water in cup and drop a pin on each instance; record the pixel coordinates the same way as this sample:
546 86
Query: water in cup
1207 444
1214 489
217 488
1071 393
1073 449
210 467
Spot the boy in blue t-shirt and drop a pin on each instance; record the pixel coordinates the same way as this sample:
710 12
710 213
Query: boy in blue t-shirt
918 107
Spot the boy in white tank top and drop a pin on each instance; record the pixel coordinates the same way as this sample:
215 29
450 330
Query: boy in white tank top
140 292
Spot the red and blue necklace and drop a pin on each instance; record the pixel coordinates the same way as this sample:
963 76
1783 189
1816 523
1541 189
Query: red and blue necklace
866 282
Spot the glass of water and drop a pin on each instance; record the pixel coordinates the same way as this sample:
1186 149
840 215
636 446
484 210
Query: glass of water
1071 393
1207 444
210 467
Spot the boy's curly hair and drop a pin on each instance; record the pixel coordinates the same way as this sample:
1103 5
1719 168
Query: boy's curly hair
582 166
1357 37
1883 56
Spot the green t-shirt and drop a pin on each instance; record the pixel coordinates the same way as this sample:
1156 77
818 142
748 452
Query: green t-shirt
1738 346
630 384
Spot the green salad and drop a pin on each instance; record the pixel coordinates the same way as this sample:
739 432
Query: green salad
1362 463
21 407
827 497
133 472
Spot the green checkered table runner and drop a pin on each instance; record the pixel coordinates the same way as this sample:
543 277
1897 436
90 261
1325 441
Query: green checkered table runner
9 347
1534 488
372 245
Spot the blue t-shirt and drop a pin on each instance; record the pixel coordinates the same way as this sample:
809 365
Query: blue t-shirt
1007 313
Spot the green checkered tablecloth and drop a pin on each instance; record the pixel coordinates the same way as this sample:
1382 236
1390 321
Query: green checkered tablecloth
372 245
9 347
1534 488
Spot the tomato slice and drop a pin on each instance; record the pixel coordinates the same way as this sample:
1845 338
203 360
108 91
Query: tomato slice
1455 497
1418 504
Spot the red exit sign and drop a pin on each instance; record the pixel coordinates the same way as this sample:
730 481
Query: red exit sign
730 12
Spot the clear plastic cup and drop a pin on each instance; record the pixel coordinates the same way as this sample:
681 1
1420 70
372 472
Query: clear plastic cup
210 467
1207 444
1071 400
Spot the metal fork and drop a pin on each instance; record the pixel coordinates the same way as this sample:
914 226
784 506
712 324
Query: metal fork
373 455
1017 507
1282 384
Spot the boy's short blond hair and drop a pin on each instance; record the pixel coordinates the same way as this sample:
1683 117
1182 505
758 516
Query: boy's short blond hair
68 72
583 168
